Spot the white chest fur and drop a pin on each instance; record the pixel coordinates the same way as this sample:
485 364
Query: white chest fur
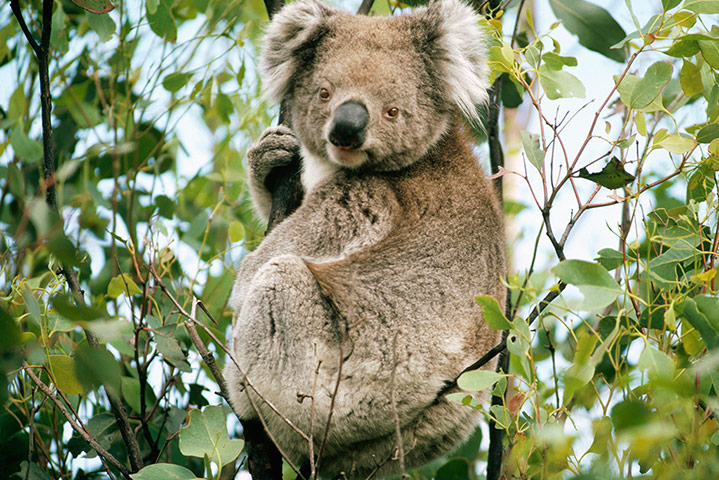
315 170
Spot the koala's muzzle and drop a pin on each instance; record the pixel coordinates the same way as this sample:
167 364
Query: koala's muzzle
349 125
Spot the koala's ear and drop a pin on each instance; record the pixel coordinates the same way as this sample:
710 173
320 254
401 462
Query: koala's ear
457 52
293 31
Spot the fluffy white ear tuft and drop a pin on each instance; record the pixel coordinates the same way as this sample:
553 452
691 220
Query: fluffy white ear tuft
297 27
460 53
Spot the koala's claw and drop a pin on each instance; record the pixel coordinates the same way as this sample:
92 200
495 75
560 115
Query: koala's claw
276 147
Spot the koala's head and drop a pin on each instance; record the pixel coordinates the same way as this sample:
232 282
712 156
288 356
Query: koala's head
374 92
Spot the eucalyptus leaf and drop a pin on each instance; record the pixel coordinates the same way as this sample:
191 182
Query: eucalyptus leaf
593 25
613 175
651 85
560 84
478 380
492 313
163 471
206 436
95 6
533 149
595 283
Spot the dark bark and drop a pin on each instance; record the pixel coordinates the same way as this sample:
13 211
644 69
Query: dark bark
263 459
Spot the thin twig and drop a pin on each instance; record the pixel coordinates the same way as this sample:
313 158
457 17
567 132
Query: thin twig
80 431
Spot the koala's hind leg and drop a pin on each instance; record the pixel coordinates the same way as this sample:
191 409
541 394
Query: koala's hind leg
285 332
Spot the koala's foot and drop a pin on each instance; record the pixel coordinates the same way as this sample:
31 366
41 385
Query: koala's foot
277 147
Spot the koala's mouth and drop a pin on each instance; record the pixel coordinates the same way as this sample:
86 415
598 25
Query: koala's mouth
346 157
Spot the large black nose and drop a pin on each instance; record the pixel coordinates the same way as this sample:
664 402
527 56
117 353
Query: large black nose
349 125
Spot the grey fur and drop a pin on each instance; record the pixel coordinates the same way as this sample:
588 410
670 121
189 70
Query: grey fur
377 270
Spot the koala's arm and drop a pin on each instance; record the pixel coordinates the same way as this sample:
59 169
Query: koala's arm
333 221
276 148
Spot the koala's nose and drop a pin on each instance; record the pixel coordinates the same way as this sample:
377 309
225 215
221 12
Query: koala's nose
349 125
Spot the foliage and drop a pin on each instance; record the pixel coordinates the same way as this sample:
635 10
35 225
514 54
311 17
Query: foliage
154 104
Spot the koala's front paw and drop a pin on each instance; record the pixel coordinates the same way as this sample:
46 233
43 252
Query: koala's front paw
277 147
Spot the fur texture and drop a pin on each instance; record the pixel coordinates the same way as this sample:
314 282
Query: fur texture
372 280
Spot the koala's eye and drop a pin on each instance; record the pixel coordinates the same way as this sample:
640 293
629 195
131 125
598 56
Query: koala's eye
392 113
324 94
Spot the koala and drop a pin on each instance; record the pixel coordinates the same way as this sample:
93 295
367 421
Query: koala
355 312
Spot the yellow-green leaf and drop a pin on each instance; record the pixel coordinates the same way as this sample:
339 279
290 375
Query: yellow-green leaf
120 284
63 369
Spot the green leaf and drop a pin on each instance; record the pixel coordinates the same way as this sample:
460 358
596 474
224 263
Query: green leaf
641 124
163 471
478 380
162 22
492 313
674 143
122 284
651 85
658 364
560 84
455 469
103 25
610 258
556 62
630 413
131 393
17 105
95 367
64 369
501 58
237 231
703 314
10 334
702 6
30 151
31 471
95 6
58 35
683 47
170 349
628 86
582 370
152 6
602 435
206 435
103 427
533 149
690 79
593 25
595 283
175 81
710 52
79 313
501 416
612 175
708 133
32 307
165 206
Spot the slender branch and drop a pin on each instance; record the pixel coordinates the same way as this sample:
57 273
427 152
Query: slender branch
15 6
496 450
365 7
75 426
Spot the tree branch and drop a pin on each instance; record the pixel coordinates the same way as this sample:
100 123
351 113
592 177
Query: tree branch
75 426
